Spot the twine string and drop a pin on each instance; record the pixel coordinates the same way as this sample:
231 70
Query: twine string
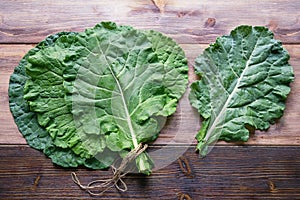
118 173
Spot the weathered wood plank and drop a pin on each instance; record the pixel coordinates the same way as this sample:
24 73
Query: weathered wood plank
184 122
9 58
226 173
191 21
231 171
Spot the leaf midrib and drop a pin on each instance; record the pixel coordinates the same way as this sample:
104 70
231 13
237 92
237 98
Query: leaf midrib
128 119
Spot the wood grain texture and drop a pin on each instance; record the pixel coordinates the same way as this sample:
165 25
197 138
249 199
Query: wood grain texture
10 55
266 167
192 21
247 173
184 121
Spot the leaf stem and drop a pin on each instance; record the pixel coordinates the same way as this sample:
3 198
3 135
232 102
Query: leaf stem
141 164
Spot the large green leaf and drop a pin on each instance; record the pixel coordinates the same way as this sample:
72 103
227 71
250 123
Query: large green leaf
26 120
107 87
244 81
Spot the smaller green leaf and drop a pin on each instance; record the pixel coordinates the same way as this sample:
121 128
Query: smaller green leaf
245 79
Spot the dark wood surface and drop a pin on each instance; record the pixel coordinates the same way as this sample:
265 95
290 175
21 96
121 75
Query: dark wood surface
265 167
227 173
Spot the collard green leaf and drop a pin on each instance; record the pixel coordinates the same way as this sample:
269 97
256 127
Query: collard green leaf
26 120
175 67
130 87
106 89
244 81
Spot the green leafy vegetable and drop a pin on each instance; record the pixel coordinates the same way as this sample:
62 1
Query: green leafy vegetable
26 120
98 93
245 80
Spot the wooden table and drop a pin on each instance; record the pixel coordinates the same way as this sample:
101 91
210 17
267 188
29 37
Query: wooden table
265 167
